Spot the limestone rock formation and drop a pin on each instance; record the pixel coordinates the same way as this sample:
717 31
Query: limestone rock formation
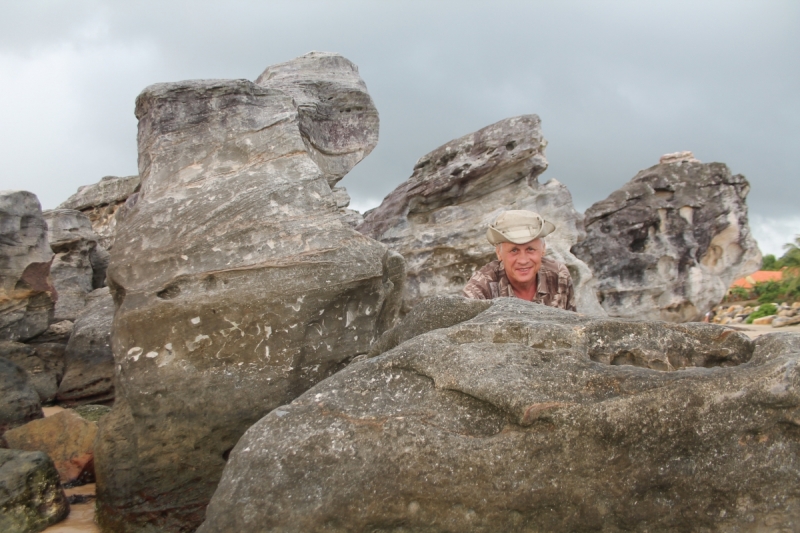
80 263
437 219
237 281
100 202
88 359
532 418
66 437
668 244
31 497
26 293
21 402
44 364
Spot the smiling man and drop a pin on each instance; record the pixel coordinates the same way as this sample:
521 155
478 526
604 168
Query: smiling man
521 269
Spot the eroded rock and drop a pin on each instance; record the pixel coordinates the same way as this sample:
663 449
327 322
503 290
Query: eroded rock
80 263
437 219
31 497
515 419
88 358
254 287
669 243
100 202
26 293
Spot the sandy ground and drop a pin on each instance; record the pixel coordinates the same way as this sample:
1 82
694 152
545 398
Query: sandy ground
756 331
81 515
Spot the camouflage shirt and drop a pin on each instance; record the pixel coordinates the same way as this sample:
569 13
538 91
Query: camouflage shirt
554 284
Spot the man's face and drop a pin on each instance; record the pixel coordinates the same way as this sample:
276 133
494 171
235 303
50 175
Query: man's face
521 261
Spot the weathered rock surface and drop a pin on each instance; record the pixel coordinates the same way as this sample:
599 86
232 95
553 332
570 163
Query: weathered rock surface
88 359
254 287
335 114
20 402
437 219
26 293
31 497
669 243
100 202
66 437
80 263
57 332
44 364
515 421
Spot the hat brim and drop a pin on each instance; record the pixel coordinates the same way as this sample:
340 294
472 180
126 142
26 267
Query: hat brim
520 234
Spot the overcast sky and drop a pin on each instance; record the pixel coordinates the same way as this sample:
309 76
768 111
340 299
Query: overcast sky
616 84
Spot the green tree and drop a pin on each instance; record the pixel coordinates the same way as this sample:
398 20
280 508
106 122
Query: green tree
769 262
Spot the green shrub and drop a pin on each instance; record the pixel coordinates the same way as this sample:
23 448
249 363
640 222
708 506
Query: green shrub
763 310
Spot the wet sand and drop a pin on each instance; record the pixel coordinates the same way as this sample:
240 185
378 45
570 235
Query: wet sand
81 515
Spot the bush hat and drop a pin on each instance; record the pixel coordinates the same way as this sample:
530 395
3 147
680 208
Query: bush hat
518 227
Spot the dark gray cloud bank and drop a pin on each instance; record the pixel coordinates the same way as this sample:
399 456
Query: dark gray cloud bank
617 84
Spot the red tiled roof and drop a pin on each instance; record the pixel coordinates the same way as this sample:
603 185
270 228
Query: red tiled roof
761 276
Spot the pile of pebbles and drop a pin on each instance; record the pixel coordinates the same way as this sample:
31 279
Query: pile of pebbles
786 315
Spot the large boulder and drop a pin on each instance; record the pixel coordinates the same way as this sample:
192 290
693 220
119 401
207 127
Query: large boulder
437 219
44 364
20 401
100 202
238 282
531 418
80 263
669 243
27 295
88 358
66 437
31 497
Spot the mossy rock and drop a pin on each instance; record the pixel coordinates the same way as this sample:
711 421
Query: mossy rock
92 413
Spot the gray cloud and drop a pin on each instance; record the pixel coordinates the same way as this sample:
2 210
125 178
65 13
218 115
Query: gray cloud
616 84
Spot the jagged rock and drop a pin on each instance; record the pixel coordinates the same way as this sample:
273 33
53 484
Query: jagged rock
66 437
44 364
669 243
26 294
80 263
100 202
31 497
89 359
254 287
437 219
21 402
514 421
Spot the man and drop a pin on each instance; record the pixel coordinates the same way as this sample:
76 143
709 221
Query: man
521 270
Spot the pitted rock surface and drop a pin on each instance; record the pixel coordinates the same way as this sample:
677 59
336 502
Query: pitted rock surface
437 219
27 295
515 421
669 243
254 287
100 202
